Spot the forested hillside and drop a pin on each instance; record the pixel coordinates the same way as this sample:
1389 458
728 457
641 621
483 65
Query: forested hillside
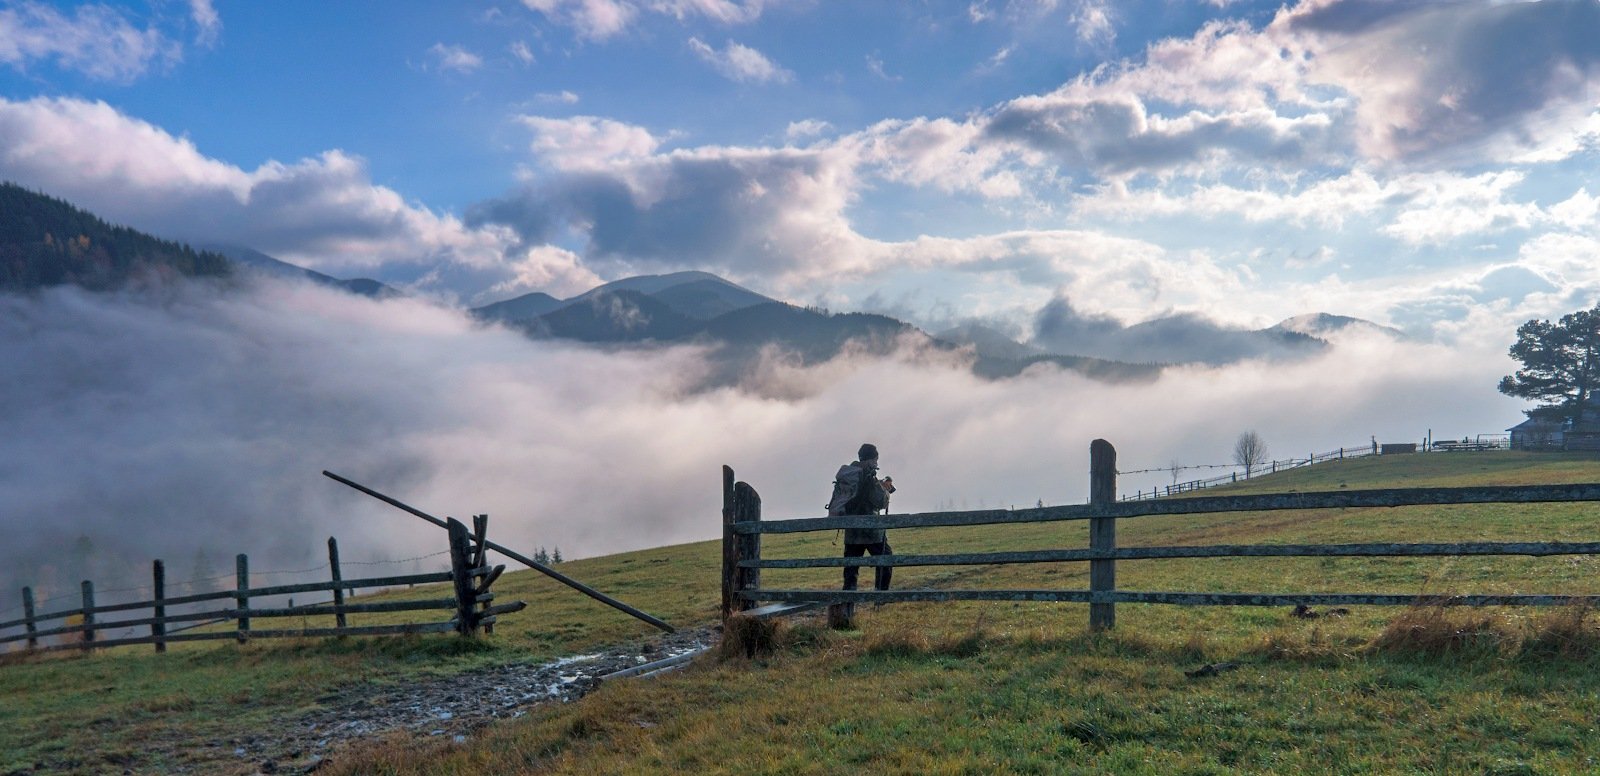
47 242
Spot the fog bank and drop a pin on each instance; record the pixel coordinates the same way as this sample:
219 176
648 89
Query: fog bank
194 425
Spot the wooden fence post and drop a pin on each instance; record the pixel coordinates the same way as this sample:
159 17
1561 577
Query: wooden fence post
241 567
88 615
1102 532
29 623
466 601
338 592
158 629
746 509
729 554
481 582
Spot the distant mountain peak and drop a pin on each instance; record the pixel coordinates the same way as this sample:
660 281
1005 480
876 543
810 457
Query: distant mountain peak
1322 325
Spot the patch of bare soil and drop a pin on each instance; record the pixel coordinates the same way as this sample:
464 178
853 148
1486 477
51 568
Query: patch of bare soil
455 706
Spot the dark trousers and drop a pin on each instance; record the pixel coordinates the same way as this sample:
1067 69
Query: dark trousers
881 574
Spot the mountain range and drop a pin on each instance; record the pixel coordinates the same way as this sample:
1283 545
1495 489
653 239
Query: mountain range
44 241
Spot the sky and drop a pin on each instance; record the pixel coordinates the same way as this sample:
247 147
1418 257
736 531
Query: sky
1423 165
1417 164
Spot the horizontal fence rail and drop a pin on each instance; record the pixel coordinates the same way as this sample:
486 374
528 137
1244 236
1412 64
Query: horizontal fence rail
1537 549
1341 499
471 605
743 562
1189 599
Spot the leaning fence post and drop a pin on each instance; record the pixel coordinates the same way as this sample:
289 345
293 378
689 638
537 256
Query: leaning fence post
729 553
88 614
158 629
28 621
466 600
746 509
1102 533
241 598
338 591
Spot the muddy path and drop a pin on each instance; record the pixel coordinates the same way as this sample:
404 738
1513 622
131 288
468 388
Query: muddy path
454 706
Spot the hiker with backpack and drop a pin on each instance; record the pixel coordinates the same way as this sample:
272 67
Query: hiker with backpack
858 491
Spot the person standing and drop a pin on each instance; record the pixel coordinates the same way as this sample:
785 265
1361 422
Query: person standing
858 491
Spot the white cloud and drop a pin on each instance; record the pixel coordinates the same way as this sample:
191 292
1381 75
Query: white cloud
564 97
723 11
593 19
454 58
601 19
587 142
740 63
520 50
1092 18
96 40
323 212
1442 207
206 21
799 130
875 64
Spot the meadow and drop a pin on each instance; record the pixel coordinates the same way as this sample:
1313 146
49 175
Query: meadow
968 687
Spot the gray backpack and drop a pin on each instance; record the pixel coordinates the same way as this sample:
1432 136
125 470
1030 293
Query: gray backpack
850 494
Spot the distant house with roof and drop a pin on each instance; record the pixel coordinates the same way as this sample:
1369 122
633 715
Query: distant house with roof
1581 433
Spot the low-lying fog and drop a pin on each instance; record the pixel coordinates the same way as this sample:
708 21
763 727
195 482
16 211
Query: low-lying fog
192 425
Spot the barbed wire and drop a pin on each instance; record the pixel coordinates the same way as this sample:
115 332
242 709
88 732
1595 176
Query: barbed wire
402 560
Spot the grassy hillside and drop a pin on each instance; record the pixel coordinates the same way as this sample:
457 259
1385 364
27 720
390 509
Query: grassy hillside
970 687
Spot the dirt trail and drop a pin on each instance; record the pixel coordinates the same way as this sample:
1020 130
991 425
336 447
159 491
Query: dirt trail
453 706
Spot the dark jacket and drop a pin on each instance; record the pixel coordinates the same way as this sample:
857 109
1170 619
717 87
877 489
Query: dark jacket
877 499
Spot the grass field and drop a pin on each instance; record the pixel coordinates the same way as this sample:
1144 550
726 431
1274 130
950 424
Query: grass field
971 687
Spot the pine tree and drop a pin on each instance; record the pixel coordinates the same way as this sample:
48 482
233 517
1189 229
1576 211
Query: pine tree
1560 364
555 557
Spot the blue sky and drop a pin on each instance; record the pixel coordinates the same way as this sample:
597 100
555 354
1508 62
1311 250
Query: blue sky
1429 165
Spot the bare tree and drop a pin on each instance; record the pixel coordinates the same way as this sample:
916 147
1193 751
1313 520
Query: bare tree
1174 467
1250 451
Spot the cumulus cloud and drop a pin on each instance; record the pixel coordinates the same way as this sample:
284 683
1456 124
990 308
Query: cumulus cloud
454 58
587 142
740 63
1437 78
96 40
322 212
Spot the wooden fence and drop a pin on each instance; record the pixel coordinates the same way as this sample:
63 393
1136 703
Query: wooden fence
743 528
470 601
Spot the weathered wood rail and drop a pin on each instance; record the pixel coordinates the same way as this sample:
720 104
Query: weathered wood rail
471 602
743 527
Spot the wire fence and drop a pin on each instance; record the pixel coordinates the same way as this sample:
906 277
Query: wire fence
1480 442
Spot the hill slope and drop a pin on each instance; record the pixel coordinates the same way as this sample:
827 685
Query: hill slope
47 242
979 687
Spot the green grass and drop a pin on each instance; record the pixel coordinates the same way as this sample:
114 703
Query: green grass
969 687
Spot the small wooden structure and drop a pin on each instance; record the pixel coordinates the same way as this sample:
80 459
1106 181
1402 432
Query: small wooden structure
743 526
471 604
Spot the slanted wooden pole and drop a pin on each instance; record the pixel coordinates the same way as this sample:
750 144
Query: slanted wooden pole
29 623
466 600
338 592
480 582
241 599
158 629
514 555
88 615
480 531
746 509
1102 532
729 552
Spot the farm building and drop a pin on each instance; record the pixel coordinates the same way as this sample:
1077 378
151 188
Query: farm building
1582 433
